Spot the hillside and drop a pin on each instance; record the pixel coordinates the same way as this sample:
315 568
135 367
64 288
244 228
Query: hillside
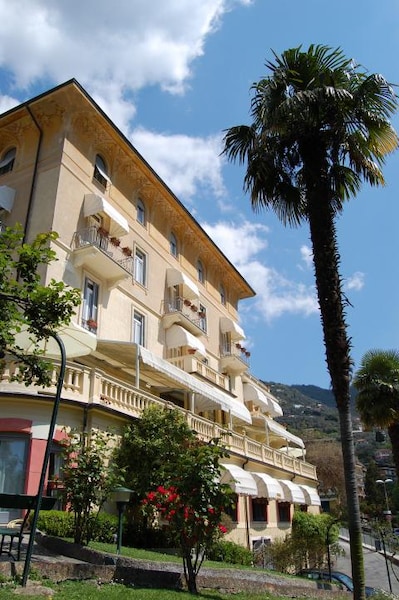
310 412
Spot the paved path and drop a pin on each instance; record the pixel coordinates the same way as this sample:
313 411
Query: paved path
375 568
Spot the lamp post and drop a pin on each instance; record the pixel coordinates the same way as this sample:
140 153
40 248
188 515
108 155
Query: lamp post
121 497
388 516
387 512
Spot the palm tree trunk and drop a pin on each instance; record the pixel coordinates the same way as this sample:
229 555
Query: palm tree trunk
393 432
337 344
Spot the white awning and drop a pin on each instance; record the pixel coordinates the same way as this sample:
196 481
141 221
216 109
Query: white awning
177 336
241 481
227 325
176 277
95 204
7 196
311 496
265 402
268 486
77 341
283 433
208 397
292 492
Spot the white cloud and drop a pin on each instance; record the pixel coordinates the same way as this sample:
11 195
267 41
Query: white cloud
355 282
307 256
276 295
6 103
184 163
133 43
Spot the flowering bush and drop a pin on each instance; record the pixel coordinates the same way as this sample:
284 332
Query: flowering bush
191 503
193 526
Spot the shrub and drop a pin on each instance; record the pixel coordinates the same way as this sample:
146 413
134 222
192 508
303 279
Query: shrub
103 527
137 535
225 551
56 522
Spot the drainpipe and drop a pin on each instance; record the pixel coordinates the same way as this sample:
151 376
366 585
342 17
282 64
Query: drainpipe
34 176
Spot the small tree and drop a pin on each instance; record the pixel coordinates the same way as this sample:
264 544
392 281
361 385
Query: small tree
191 504
89 476
27 305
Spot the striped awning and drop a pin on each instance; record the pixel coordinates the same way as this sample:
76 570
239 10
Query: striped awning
242 482
268 486
292 492
312 497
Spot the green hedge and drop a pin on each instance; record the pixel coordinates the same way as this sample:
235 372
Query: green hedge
61 524
229 552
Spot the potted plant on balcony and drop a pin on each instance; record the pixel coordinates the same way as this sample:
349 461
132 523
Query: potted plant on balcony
247 354
115 241
127 251
91 323
238 346
187 302
191 350
201 314
193 308
103 232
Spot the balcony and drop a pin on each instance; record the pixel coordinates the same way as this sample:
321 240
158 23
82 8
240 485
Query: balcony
233 358
95 250
184 312
192 364
93 387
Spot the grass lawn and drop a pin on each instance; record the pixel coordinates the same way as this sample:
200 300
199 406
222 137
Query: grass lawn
91 591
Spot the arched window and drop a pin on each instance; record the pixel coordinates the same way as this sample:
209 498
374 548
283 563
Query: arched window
173 245
7 162
200 271
101 171
222 295
141 216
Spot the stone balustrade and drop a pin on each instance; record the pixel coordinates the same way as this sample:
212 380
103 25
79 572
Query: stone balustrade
93 386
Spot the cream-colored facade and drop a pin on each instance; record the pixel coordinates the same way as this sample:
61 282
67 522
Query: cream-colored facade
158 295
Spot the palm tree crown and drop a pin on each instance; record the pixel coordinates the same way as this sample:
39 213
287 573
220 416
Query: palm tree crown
377 383
314 103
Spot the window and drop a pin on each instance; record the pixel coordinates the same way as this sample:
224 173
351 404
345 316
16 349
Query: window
232 511
200 272
140 263
202 317
138 328
141 216
284 511
222 295
173 245
90 305
259 509
7 162
13 451
101 172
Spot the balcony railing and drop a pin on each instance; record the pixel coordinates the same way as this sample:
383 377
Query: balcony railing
191 364
93 386
187 312
110 247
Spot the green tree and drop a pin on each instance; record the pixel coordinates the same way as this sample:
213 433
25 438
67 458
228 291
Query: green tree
27 305
89 476
377 401
192 502
150 447
320 127
374 501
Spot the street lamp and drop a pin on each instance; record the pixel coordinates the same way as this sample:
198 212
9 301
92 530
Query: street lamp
121 497
387 512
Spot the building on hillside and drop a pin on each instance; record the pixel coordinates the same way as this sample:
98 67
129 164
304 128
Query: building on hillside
161 300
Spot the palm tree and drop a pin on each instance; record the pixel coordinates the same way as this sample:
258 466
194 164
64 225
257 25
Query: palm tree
320 128
377 383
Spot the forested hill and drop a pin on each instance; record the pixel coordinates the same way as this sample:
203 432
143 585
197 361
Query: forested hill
307 409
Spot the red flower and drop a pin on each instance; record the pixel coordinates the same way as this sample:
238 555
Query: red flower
222 529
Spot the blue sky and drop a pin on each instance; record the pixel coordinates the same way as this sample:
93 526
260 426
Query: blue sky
173 74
